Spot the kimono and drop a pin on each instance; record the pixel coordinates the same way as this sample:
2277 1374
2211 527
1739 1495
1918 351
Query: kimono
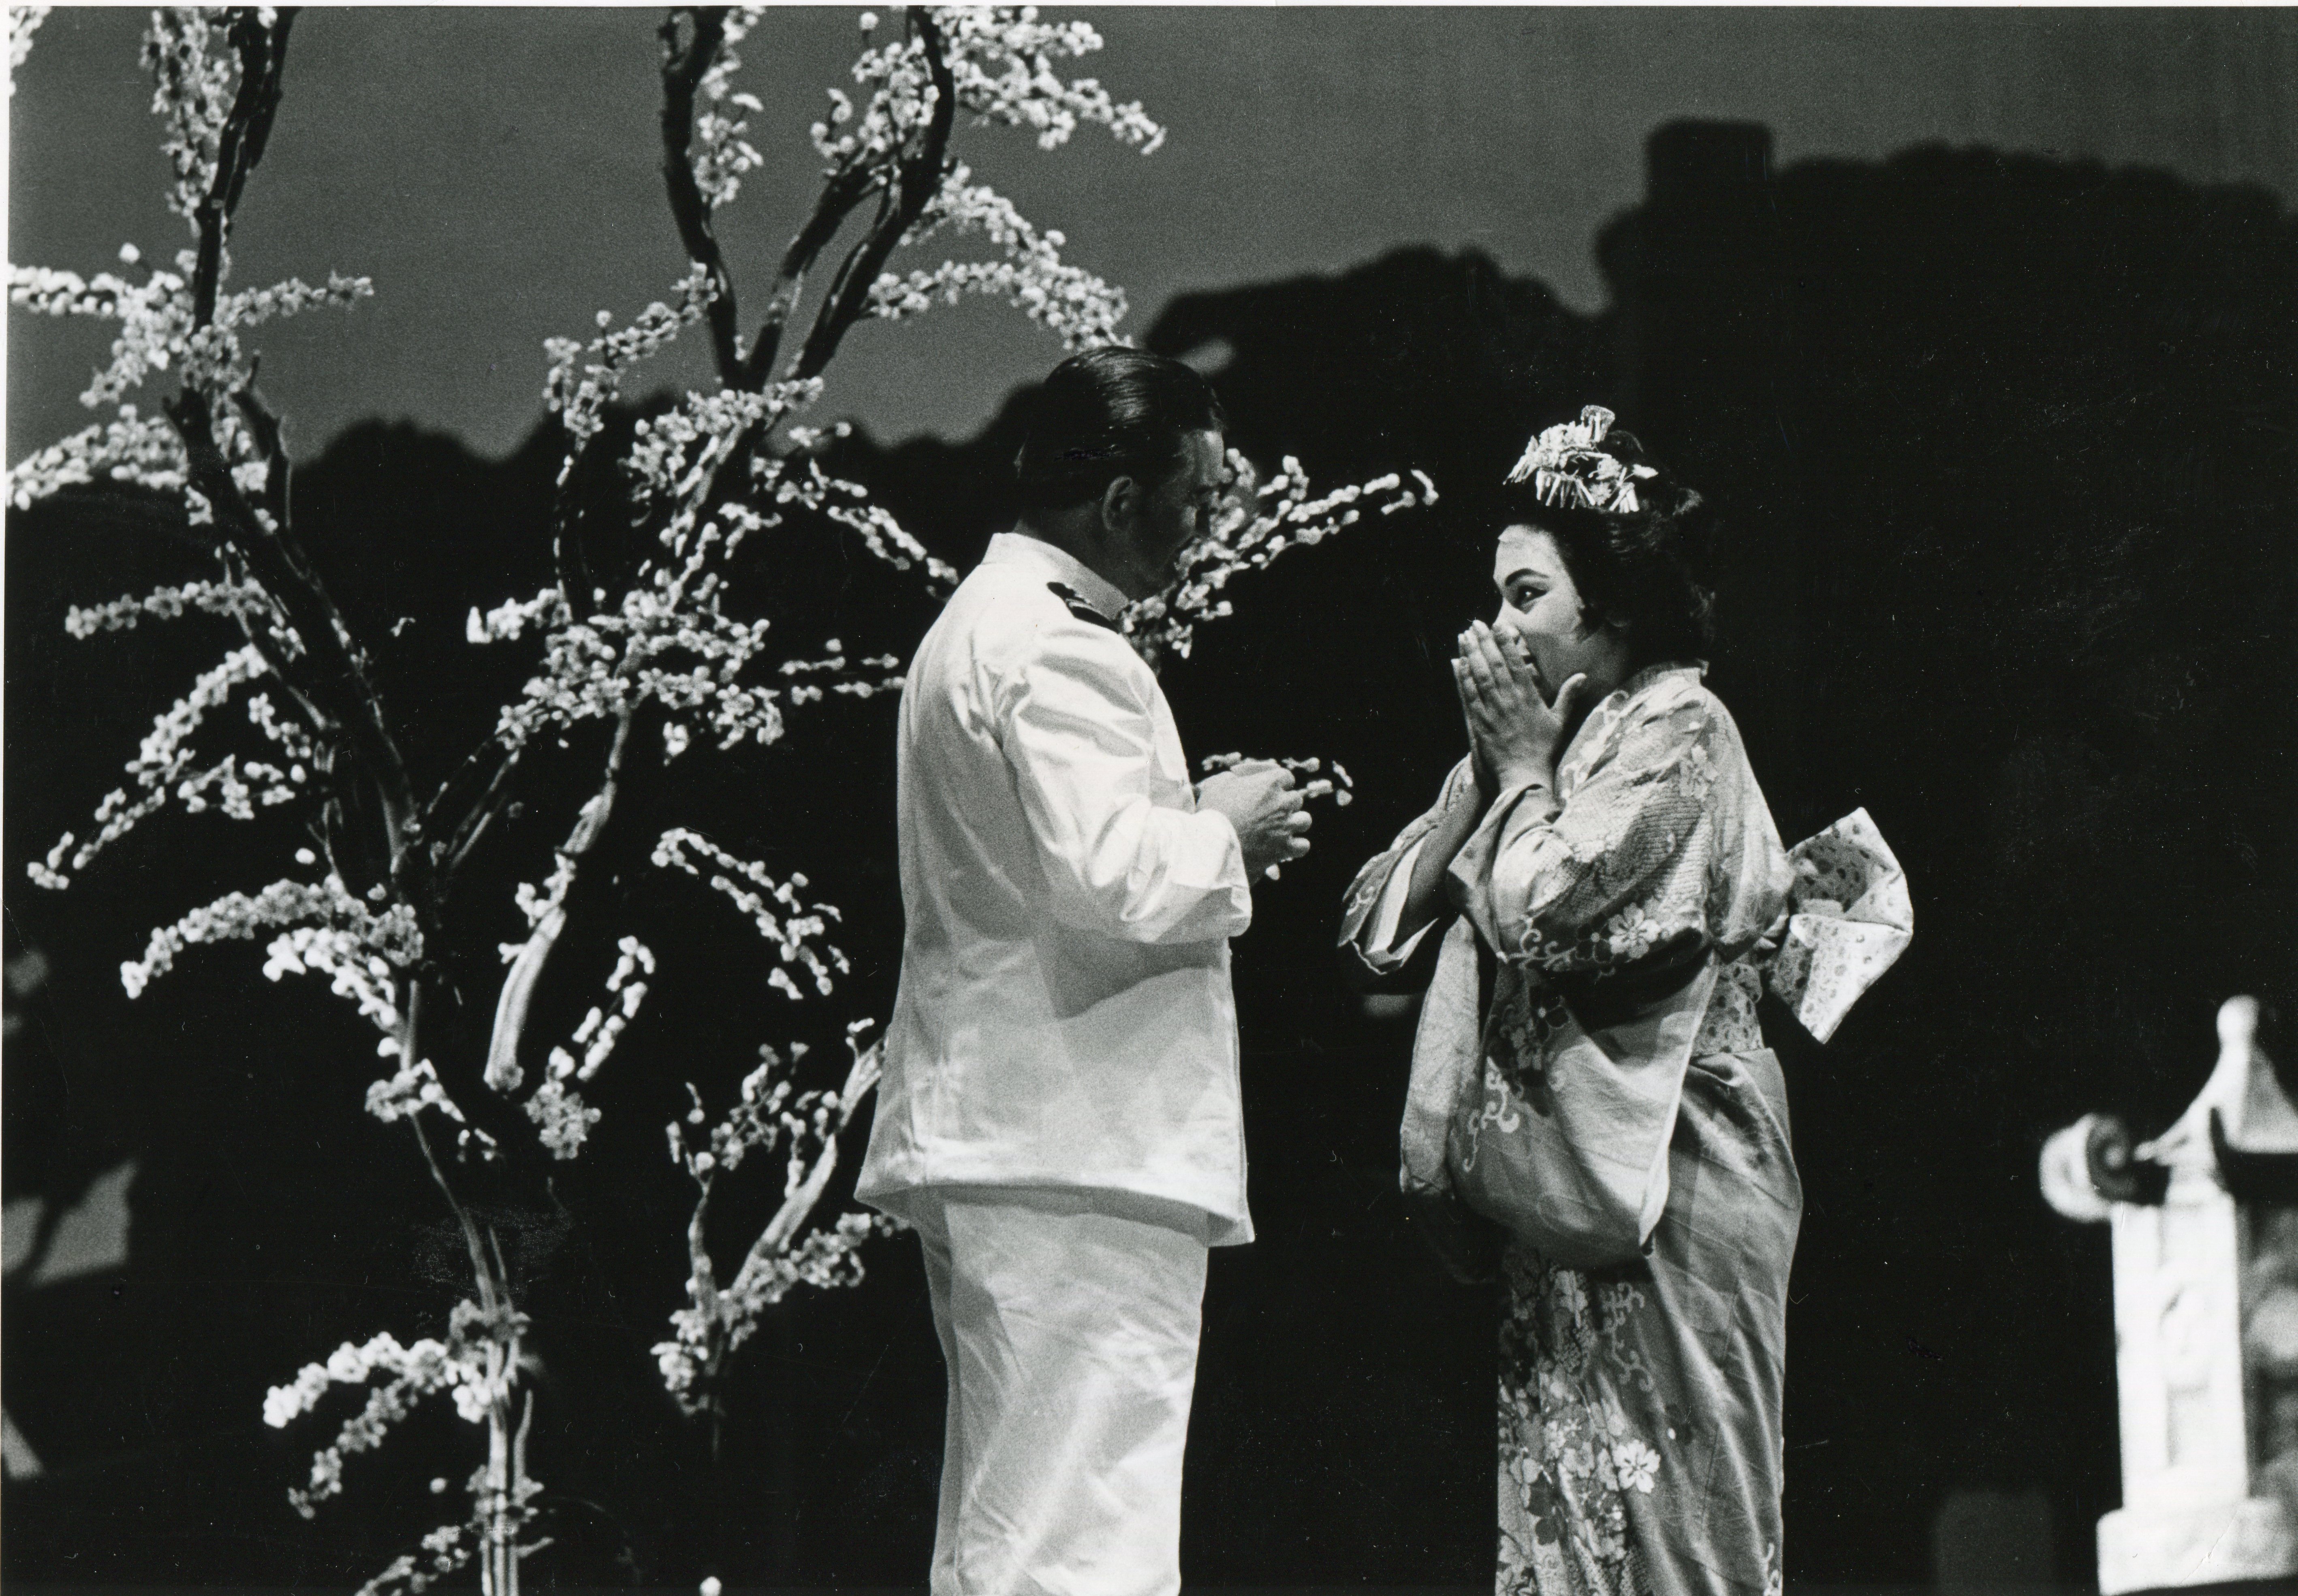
1590 1073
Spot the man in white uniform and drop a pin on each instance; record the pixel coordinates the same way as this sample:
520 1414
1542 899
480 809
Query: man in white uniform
1060 1115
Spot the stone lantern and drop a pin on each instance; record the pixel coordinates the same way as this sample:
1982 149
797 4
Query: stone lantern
2205 1238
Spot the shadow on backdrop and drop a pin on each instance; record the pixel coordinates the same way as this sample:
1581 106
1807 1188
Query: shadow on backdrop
2005 445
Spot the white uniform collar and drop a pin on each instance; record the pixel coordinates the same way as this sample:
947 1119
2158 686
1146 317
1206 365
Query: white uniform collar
1059 564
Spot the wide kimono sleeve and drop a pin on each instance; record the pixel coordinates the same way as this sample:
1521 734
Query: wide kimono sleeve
1377 945
1079 723
1599 907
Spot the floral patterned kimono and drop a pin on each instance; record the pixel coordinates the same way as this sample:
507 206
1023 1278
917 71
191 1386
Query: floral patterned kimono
1589 1072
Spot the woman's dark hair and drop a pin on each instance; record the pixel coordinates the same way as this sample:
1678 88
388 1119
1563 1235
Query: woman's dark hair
1650 567
1105 414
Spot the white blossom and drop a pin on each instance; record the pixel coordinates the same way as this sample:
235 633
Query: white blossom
716 470
292 737
669 640
131 447
1075 304
195 76
772 1114
602 1029
168 603
846 503
722 155
471 1365
562 1119
446 1551
410 1092
162 762
673 454
155 319
256 306
1001 63
885 673
826 1260
796 931
1259 522
322 930
23 22
540 905
506 621
579 399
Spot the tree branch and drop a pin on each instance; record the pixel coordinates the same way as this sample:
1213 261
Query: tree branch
800 1203
338 679
682 71
263 426
838 196
262 57
239 146
471 1242
275 654
915 181
338 676
518 986
451 852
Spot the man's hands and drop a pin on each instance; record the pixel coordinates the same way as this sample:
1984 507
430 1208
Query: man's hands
1513 730
1270 812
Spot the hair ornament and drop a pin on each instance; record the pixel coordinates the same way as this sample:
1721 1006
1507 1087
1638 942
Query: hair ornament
1567 469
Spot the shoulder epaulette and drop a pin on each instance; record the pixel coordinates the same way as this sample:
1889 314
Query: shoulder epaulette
1077 605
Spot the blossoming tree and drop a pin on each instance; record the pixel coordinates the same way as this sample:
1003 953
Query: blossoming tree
658 650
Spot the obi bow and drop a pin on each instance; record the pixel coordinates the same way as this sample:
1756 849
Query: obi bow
1849 918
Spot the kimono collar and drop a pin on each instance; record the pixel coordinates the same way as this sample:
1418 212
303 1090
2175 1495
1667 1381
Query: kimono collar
1057 564
1653 673
1589 738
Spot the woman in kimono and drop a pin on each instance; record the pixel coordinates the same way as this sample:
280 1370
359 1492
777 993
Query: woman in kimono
1589 1085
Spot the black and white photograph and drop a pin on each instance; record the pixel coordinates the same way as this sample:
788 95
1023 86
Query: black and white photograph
1062 801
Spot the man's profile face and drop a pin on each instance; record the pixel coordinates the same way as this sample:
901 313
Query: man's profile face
1180 510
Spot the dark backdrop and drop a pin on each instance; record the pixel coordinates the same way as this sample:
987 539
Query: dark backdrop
2005 449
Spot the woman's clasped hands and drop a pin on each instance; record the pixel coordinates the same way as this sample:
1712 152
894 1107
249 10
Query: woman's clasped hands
1515 729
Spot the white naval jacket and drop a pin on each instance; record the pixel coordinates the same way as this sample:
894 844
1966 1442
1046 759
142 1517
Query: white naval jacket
1064 1016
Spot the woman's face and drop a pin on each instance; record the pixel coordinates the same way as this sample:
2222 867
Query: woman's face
1540 606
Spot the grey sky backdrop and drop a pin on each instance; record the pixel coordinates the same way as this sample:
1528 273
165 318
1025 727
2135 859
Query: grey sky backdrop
495 170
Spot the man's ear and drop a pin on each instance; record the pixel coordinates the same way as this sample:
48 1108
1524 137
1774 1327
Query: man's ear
1120 504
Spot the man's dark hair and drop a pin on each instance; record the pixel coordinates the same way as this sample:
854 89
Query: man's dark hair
1651 568
1105 414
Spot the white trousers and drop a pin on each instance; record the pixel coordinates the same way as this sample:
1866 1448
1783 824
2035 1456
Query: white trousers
1071 1336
